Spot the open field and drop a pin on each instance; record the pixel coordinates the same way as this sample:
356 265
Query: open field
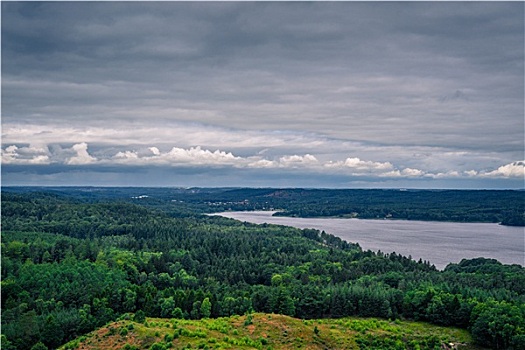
271 331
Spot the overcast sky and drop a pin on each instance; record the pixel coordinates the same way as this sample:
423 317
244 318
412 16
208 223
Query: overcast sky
272 94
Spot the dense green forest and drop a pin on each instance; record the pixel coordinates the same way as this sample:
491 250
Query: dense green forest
74 260
496 206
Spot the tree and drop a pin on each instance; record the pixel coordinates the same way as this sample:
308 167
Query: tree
129 300
52 332
498 324
206 308
6 344
282 302
38 346
167 307
139 317
196 310
177 313
28 328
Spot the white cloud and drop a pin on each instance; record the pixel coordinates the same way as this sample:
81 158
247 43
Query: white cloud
263 163
196 155
154 150
514 169
297 161
450 174
392 173
259 148
412 172
361 165
25 155
267 159
9 154
126 157
176 156
287 161
82 156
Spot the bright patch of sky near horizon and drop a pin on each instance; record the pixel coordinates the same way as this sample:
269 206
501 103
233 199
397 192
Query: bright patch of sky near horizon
289 94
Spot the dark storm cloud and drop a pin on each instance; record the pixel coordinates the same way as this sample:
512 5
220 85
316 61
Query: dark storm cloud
378 82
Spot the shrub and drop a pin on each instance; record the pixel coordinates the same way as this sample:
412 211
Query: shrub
249 320
157 346
139 317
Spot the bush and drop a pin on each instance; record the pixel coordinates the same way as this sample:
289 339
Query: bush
249 320
139 317
157 346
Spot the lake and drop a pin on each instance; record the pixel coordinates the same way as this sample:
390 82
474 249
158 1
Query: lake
438 242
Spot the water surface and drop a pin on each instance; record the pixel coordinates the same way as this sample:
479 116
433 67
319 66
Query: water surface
438 242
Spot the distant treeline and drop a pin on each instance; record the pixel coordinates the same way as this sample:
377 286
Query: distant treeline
70 264
492 206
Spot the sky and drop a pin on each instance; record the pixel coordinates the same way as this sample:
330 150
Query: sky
263 94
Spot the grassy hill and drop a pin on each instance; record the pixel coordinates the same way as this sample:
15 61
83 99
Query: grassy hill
271 331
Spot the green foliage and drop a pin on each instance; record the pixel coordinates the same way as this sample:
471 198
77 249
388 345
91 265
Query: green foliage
139 317
205 308
69 266
500 325
38 346
158 346
285 332
249 320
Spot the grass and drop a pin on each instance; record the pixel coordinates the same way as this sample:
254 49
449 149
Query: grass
270 331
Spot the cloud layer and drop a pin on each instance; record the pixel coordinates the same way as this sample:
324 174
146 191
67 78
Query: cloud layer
196 157
350 90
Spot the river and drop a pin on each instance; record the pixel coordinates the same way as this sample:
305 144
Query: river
440 243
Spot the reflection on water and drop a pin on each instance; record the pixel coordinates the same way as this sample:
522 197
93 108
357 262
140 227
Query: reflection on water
438 242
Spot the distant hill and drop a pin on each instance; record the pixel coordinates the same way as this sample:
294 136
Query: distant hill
271 331
496 206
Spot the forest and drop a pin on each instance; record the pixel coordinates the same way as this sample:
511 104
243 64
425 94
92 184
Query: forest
74 260
496 206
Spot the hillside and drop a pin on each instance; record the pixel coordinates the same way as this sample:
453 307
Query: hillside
271 331
70 266
496 206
